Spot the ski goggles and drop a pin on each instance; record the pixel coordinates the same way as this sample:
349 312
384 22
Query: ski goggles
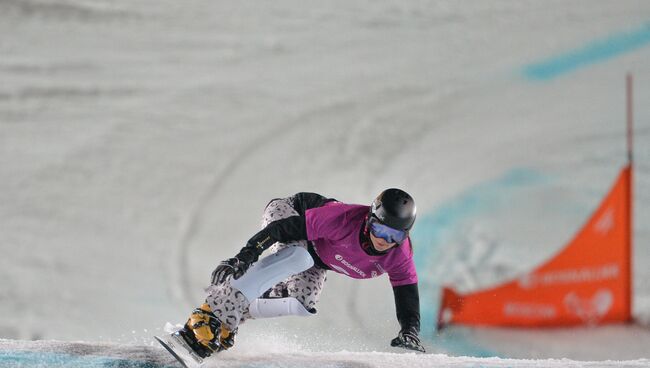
386 232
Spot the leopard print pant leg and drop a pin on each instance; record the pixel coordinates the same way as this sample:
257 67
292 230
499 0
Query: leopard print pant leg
228 304
305 286
231 306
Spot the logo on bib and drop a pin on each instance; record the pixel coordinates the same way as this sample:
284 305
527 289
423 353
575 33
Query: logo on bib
349 265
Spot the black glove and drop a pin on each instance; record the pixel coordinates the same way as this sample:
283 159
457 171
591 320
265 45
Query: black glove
235 267
408 339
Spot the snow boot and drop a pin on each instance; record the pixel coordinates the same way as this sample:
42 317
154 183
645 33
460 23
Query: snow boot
205 333
202 335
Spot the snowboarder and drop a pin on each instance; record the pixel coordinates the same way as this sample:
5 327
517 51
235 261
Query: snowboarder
308 235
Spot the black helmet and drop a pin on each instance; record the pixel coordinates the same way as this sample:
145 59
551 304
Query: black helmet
394 208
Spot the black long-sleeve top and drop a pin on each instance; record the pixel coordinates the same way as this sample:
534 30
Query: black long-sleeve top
407 300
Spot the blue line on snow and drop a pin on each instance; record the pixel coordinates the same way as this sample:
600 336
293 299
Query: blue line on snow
50 359
594 52
433 230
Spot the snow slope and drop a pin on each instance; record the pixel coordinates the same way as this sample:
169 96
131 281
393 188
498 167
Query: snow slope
140 141
16 354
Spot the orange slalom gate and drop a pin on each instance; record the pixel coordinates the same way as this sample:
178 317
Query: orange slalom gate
588 282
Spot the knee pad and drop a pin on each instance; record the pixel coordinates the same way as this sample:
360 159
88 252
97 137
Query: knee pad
278 307
272 269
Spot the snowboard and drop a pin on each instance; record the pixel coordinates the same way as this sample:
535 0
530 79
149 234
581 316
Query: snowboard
180 350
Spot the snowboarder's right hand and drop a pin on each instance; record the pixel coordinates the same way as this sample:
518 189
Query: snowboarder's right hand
235 267
225 269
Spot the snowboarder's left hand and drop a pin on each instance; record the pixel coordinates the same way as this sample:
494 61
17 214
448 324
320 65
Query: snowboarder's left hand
408 339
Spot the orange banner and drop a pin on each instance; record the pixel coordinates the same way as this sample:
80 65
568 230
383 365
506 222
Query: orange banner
588 282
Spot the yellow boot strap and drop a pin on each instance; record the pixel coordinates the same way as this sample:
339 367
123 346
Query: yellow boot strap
199 322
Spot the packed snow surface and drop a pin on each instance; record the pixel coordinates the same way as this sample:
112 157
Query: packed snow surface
14 354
